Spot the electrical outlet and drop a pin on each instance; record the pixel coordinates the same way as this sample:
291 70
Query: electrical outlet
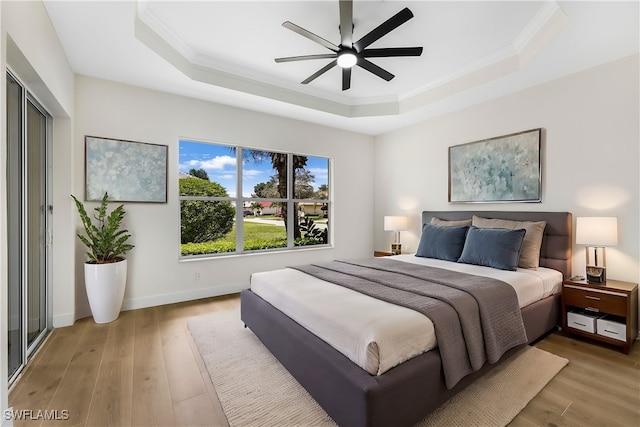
197 275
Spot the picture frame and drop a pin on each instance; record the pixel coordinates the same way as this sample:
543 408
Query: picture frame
128 171
502 169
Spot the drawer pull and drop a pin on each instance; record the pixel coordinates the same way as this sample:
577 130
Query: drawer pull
578 323
611 332
595 310
593 298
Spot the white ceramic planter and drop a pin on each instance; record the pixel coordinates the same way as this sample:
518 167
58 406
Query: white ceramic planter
105 285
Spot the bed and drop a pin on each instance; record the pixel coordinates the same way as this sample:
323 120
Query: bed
408 391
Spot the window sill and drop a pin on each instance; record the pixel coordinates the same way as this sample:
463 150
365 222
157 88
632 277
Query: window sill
227 255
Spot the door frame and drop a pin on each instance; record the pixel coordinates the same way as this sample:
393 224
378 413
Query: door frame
28 350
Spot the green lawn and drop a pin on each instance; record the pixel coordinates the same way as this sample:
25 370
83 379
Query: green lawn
257 236
255 231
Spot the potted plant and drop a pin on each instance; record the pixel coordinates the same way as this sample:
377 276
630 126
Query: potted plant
105 273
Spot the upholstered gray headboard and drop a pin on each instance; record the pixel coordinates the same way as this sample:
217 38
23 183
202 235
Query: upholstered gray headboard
557 240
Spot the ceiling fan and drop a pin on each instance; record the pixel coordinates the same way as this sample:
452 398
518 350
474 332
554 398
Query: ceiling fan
349 53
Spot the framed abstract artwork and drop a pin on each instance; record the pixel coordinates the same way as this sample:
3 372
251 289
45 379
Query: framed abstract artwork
129 171
501 169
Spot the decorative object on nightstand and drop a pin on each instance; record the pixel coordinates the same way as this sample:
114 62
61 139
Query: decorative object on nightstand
606 312
395 224
596 233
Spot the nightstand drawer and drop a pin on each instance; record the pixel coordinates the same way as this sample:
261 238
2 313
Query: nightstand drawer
611 328
583 321
605 301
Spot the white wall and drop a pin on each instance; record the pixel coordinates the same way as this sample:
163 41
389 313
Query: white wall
156 275
590 157
35 55
30 48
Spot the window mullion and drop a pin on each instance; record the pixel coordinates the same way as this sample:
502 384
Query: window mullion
290 205
239 203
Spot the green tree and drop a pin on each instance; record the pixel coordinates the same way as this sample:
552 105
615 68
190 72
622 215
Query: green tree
199 173
267 190
256 207
203 220
322 193
303 188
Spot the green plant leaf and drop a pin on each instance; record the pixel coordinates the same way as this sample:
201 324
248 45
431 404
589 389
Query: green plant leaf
105 240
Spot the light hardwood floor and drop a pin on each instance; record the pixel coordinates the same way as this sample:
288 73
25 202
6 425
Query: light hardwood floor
144 370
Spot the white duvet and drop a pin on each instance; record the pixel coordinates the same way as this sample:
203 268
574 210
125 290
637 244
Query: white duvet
374 334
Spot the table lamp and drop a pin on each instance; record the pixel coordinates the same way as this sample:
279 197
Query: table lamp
395 224
596 233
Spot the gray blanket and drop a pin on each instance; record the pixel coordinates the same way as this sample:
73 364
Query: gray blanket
475 318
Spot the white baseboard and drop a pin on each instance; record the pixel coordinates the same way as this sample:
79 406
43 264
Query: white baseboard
175 297
84 310
63 320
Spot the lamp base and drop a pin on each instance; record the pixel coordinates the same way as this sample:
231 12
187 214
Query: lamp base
396 248
596 274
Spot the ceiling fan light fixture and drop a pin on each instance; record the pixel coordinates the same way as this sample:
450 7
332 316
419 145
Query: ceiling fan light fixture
349 53
347 60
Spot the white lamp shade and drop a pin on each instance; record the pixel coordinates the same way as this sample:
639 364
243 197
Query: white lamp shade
395 223
597 231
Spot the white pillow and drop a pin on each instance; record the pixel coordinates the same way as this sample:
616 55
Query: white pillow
530 252
447 223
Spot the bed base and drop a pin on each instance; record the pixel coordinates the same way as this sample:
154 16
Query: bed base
401 396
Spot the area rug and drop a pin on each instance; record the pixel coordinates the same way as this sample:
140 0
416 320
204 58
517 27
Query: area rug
256 390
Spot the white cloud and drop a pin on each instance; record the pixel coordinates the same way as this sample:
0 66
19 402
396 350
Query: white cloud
250 173
218 163
225 176
319 173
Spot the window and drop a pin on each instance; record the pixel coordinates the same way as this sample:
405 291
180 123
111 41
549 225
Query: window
239 200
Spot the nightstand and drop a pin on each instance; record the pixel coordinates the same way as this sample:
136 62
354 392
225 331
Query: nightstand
606 312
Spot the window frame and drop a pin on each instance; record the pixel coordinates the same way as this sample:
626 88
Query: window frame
240 201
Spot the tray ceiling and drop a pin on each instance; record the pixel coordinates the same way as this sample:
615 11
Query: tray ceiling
224 51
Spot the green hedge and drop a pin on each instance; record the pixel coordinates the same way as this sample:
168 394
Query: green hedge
219 247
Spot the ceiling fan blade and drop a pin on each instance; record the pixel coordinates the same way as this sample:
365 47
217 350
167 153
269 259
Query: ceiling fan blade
320 72
391 51
346 78
346 23
306 57
386 27
373 68
308 34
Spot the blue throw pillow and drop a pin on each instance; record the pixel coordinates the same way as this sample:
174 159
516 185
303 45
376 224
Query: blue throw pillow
493 247
441 242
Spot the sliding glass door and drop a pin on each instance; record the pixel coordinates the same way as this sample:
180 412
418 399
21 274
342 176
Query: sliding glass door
36 218
28 219
14 233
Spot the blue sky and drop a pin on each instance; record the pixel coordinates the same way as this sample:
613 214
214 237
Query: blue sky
219 161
